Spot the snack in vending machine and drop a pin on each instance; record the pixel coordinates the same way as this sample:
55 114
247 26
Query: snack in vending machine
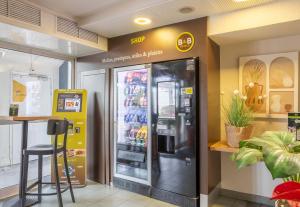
143 118
144 91
144 78
128 118
132 134
142 133
128 77
126 102
131 90
142 101
135 118
136 90
129 102
127 90
134 102
140 118
138 135
136 77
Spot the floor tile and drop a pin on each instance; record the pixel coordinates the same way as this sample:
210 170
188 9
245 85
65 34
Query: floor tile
96 195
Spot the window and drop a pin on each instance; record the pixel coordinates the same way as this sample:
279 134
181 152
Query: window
27 80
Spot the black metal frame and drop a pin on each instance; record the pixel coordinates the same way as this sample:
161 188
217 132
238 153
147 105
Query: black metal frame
55 127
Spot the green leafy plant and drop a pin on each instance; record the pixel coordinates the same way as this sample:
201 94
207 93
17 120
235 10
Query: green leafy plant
237 113
278 150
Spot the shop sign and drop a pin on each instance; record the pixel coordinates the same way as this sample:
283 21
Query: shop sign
137 40
185 42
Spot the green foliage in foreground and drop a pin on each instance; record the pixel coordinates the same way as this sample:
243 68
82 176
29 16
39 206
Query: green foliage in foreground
278 150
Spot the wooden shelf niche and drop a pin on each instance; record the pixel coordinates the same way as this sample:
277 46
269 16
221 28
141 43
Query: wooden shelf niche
222 146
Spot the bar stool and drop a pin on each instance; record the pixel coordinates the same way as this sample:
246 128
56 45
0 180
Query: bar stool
55 128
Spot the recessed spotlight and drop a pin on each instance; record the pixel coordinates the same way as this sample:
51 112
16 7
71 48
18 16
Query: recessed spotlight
186 10
142 21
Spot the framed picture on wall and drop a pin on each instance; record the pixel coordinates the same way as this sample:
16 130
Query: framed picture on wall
270 83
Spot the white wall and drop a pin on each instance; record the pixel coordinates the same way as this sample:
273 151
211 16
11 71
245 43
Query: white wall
255 179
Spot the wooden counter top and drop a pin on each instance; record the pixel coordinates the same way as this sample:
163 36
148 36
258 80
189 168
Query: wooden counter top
15 119
222 146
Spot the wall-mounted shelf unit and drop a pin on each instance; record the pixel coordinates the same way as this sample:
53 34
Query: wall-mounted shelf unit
222 146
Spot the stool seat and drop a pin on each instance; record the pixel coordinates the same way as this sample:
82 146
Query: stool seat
43 149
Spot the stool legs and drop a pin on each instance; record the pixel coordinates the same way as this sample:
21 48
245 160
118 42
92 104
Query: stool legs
57 180
68 175
40 177
24 180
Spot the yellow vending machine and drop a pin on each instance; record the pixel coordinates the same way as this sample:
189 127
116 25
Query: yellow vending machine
72 105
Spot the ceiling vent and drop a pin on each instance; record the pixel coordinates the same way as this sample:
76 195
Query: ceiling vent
4 7
67 27
71 28
21 11
88 35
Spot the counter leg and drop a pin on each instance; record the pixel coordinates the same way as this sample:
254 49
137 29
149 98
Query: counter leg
23 148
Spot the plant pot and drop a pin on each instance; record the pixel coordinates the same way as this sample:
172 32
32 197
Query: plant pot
236 134
284 203
281 203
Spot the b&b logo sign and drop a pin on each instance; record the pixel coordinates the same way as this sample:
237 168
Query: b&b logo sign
185 42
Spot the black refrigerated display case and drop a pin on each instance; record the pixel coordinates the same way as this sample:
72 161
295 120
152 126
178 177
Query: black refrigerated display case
175 132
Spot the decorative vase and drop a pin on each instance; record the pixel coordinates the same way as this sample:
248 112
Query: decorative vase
236 134
275 103
254 96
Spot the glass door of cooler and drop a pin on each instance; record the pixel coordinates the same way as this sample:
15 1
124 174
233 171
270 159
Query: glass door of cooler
131 119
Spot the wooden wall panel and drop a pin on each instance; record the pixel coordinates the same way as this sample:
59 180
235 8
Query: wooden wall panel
164 39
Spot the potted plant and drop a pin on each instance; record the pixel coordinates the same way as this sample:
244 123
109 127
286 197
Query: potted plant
281 154
238 119
287 194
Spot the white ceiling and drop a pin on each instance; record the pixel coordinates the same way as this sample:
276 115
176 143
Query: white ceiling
20 36
112 18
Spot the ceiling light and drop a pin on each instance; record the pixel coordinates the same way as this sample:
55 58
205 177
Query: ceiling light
142 21
186 10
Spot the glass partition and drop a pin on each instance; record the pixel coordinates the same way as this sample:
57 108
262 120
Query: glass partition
27 80
131 119
166 99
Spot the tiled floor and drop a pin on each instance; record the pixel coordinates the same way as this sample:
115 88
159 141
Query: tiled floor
229 202
95 195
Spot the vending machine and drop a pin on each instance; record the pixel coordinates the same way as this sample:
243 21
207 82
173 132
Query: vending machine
72 105
131 123
175 132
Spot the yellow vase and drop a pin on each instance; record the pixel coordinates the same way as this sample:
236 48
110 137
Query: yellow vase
253 93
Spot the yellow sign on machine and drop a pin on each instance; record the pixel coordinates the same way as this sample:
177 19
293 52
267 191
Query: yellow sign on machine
72 105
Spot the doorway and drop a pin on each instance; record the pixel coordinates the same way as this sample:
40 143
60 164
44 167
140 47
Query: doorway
96 82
